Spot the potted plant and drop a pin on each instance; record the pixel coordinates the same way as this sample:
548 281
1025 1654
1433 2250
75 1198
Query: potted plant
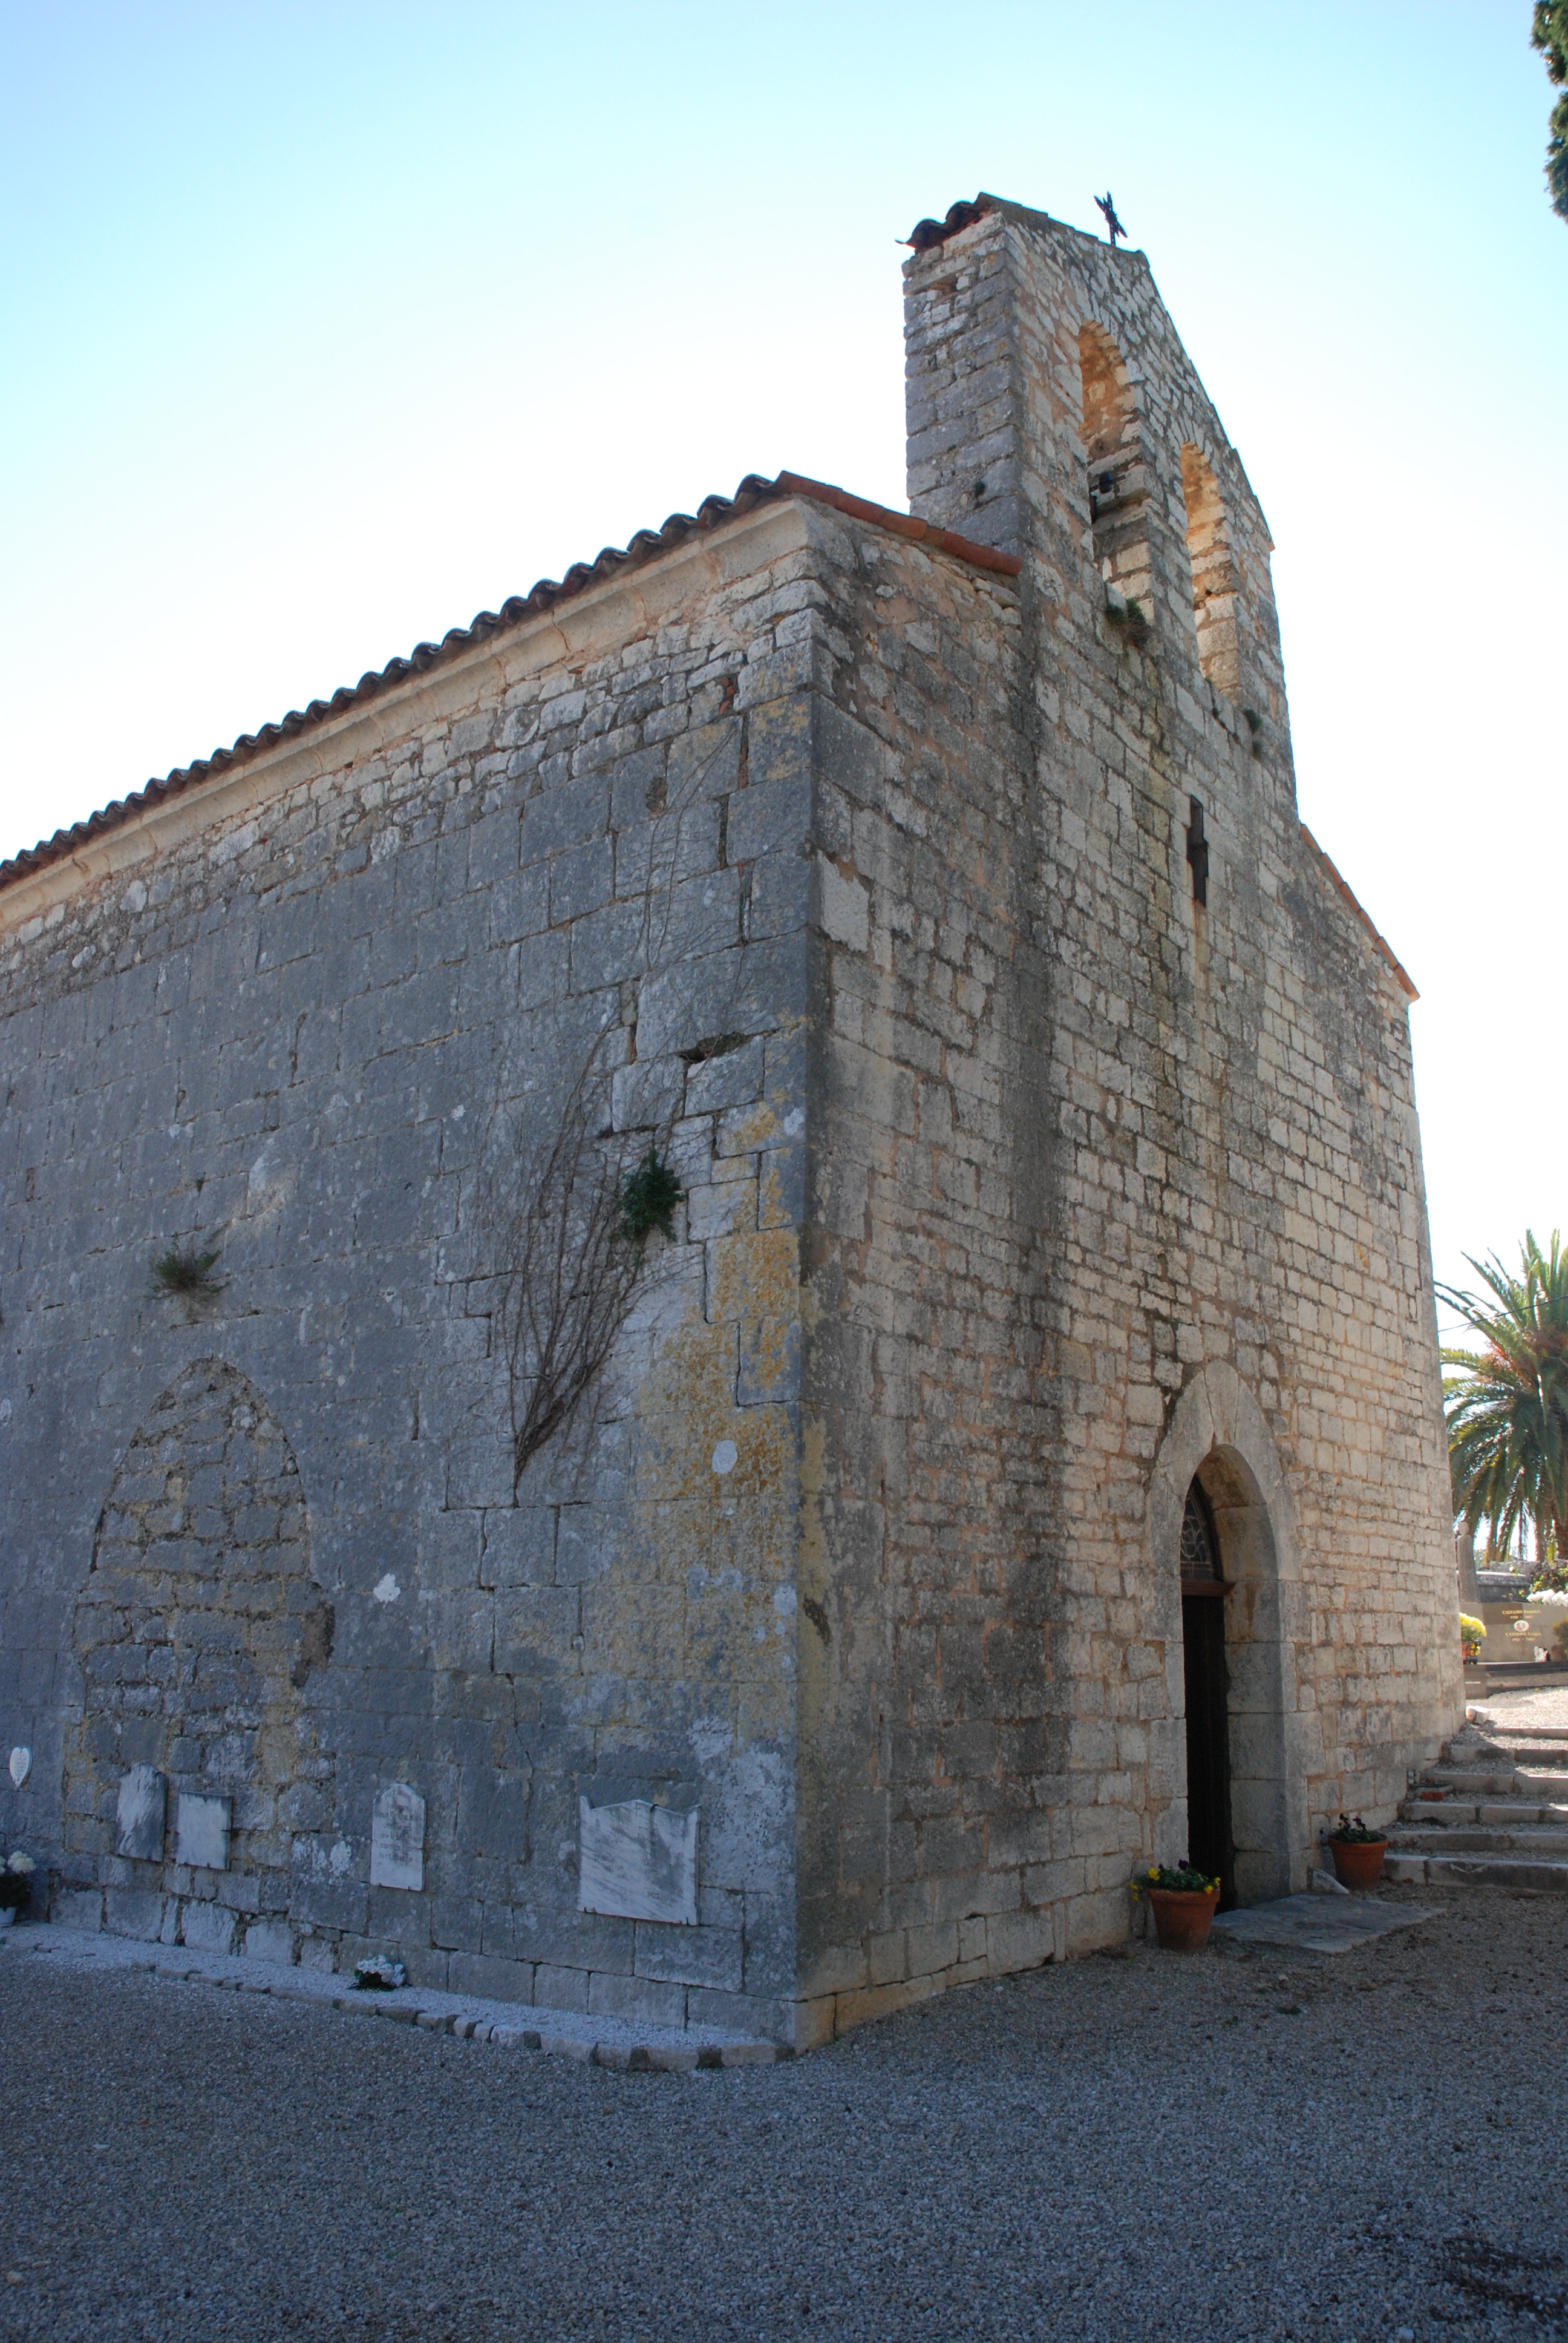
15 1886
1183 1900
1358 1852
1471 1636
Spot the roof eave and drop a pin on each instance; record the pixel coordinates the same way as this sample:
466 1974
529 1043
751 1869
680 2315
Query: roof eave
541 598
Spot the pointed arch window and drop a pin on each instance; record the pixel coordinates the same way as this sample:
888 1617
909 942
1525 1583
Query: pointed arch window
1200 1544
1216 585
1118 479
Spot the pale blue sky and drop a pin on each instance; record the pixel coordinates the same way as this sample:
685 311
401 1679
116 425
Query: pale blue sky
327 326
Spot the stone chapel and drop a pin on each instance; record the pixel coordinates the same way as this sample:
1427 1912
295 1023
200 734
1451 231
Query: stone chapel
1013 1452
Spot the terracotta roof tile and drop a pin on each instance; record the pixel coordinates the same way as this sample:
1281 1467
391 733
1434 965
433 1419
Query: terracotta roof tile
646 545
928 233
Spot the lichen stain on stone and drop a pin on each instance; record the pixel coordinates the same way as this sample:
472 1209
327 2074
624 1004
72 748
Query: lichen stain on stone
755 1274
688 1404
774 1210
758 1128
695 1558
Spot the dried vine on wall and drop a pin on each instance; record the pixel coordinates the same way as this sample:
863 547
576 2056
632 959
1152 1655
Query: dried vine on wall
569 1260
575 1218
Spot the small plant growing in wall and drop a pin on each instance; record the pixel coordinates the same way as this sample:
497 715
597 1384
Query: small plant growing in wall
186 1271
1126 613
649 1200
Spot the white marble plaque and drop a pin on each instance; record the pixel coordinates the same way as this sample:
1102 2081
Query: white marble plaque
398 1837
638 1861
139 1814
201 1832
21 1766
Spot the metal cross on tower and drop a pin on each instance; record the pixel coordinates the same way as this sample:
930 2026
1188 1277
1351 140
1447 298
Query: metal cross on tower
1113 228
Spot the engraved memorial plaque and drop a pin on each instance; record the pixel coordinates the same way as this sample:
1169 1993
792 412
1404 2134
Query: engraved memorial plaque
202 1832
398 1837
638 1861
139 1814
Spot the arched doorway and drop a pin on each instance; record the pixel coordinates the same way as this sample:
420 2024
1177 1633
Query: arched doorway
1220 1519
198 1633
1211 1837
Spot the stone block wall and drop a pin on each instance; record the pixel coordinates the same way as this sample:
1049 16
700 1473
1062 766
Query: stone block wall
1041 1105
288 1019
1137 1188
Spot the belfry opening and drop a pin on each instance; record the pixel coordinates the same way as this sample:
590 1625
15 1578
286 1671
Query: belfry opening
1211 1837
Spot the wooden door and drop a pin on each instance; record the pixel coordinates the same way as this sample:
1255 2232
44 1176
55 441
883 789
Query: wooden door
1209 1844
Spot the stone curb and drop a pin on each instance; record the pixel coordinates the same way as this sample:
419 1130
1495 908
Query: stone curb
653 2057
620 2058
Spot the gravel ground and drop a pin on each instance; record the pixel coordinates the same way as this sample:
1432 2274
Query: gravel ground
1542 1704
1240 2143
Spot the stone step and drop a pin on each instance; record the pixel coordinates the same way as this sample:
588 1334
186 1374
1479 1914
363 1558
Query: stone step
1458 1814
1503 1749
1547 1783
1449 1870
1408 1838
1505 1822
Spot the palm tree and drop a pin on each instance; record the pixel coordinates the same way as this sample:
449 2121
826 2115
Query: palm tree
1507 1407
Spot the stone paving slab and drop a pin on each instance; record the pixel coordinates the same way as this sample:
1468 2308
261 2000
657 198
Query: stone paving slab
618 2042
1316 1923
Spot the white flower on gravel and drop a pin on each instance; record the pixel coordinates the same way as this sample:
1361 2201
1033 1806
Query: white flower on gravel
20 1862
380 1975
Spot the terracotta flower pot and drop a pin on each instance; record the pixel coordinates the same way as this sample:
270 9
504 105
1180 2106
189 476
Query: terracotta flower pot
1358 1865
1183 1916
